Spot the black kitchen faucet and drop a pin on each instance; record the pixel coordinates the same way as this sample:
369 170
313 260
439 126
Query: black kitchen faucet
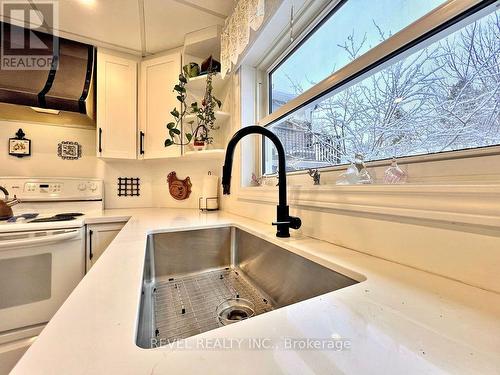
284 221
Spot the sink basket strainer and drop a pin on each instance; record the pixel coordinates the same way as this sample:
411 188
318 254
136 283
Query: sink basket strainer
234 310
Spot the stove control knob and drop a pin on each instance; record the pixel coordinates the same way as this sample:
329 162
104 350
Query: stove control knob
82 187
92 186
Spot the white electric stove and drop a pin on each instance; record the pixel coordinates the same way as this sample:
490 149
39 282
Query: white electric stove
42 255
51 202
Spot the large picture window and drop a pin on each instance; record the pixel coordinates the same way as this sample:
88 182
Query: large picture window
352 28
442 97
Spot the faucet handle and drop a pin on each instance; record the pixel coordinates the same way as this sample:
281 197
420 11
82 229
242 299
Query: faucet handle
281 222
293 222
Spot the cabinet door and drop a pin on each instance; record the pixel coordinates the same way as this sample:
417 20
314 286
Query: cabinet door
11 353
156 100
99 236
116 107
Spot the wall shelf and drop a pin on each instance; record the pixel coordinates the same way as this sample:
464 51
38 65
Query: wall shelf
219 115
198 46
198 84
217 153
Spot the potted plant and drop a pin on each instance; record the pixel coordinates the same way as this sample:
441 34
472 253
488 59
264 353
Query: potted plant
204 121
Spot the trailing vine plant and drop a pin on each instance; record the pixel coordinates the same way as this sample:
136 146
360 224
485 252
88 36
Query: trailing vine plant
204 120
173 128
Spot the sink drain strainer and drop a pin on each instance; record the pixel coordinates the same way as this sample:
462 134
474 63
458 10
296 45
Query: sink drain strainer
234 310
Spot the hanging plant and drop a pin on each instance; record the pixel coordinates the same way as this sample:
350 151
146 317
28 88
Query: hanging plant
174 127
204 120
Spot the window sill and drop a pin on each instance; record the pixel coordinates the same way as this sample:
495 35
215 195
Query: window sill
472 204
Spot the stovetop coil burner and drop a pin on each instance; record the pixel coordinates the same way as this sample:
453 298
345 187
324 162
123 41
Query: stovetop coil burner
58 217
53 218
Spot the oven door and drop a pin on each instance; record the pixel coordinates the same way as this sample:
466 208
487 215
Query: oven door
38 271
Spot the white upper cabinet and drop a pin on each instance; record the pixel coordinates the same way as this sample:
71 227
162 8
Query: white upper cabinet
156 99
116 106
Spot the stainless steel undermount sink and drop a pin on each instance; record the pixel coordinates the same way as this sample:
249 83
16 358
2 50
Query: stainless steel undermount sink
198 280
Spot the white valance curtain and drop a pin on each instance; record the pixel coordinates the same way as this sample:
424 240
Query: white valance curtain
247 14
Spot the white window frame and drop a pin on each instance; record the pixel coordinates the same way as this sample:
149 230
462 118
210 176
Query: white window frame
409 35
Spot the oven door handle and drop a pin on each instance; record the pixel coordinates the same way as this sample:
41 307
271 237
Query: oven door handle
39 240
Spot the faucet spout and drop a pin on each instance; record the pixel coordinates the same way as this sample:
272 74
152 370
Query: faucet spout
284 220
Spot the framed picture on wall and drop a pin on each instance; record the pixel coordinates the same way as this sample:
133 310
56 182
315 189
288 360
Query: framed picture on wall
19 146
68 150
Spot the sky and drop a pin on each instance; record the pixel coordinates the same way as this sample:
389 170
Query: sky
320 55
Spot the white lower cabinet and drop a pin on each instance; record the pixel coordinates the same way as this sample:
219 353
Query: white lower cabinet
14 344
99 236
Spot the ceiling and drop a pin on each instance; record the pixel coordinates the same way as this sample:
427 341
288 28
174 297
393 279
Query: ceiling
138 26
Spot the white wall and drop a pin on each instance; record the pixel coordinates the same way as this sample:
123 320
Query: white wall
44 162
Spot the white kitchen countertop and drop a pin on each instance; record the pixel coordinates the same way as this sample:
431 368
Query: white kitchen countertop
399 320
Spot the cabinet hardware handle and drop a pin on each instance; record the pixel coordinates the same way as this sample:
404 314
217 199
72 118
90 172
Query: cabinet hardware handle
91 254
141 142
100 139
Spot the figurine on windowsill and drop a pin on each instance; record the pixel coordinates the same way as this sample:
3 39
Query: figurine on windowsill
314 173
363 174
394 174
256 181
356 173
